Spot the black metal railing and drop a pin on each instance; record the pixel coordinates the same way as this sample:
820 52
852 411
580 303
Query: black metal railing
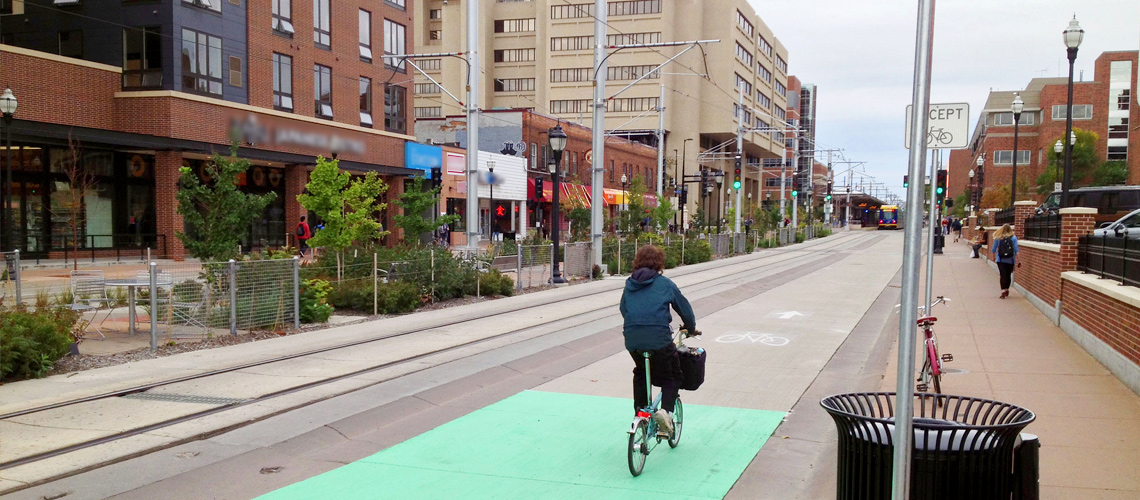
1004 216
92 246
1044 228
1113 257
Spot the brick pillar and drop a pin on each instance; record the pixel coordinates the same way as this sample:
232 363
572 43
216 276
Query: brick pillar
296 176
1075 222
395 185
1022 210
167 221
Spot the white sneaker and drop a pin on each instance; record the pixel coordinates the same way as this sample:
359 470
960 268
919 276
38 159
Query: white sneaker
664 421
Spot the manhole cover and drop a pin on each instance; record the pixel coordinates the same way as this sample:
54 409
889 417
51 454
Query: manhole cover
956 371
185 398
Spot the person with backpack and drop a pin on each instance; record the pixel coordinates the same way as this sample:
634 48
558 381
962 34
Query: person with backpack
1005 254
303 234
956 226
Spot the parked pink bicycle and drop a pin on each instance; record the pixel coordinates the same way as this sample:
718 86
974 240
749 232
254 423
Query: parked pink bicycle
932 362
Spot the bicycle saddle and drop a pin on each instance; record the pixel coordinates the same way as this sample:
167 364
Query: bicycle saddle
927 319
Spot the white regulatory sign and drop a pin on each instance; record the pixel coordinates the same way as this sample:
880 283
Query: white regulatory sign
948 126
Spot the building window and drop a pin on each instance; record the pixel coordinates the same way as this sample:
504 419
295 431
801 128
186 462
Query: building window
612 169
201 63
762 100
435 14
322 28
624 104
322 91
514 55
633 38
397 3
142 57
613 73
395 114
624 8
365 34
283 17
214 5
428 112
569 106
765 47
1080 112
282 82
1028 118
435 35
514 85
365 102
560 43
780 113
426 88
764 73
514 25
394 44
781 90
781 65
1006 157
742 83
533 157
430 64
744 55
1119 104
71 43
235 71
744 23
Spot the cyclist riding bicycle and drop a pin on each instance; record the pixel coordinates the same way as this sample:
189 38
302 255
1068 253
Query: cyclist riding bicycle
645 307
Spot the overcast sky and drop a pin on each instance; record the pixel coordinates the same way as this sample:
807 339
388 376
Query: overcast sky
860 53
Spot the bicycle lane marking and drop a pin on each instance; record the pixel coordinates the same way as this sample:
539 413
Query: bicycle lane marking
753 338
551 445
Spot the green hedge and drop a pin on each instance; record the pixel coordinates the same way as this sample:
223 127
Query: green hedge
391 298
31 342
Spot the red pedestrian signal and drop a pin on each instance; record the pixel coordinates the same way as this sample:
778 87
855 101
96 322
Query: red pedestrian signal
500 211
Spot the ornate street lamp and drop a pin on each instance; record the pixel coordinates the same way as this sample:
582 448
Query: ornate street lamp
1016 107
971 174
557 141
1072 36
981 164
8 109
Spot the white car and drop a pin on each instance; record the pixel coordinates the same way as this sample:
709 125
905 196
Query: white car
1127 225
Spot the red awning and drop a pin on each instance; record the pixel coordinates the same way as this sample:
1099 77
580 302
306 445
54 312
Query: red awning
575 193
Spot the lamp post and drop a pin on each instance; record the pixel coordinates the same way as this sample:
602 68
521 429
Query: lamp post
1016 107
8 108
624 202
719 198
491 200
971 174
1058 148
557 140
1072 36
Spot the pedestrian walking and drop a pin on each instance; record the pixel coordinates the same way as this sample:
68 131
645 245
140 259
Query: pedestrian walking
957 227
303 234
1005 254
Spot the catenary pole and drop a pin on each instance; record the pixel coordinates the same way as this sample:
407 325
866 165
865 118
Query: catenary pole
660 144
739 160
796 165
904 391
473 75
598 165
934 226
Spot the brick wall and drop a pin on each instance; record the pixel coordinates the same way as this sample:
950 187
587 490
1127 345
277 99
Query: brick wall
1040 272
1114 322
53 91
167 221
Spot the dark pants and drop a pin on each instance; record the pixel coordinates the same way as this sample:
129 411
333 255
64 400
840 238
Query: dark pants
976 247
302 246
665 369
1006 271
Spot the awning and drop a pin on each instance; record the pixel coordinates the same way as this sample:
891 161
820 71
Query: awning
574 193
618 197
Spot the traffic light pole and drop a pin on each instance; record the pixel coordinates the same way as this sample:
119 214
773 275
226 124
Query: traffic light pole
739 160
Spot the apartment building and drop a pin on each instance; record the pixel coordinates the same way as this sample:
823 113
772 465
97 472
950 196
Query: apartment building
144 88
1103 105
539 54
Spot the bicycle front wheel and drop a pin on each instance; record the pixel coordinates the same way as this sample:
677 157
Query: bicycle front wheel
638 448
678 418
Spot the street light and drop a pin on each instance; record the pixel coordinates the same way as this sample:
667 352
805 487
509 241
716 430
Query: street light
719 197
1072 36
1016 107
8 108
971 174
491 201
981 164
557 141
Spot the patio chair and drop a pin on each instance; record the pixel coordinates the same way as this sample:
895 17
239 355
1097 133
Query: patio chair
186 302
89 293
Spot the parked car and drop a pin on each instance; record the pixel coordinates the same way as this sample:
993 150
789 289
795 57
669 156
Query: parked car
1111 202
1129 224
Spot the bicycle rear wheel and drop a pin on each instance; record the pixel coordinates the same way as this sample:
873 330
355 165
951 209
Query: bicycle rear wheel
935 366
638 448
678 418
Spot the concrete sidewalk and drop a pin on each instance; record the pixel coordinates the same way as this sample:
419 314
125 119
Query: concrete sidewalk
1088 421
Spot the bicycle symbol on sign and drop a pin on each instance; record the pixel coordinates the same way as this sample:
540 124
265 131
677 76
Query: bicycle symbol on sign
939 135
753 337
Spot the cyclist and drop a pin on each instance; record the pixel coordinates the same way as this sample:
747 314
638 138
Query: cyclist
645 307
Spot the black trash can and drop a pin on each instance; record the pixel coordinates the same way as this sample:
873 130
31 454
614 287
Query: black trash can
963 446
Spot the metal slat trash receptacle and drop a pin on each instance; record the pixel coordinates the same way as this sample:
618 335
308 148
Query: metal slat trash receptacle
963 446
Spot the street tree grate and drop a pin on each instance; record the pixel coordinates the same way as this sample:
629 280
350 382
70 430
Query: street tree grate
185 398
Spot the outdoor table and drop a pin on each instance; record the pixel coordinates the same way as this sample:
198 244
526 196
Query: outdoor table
132 284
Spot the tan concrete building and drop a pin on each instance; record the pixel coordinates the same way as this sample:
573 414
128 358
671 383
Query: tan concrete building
539 54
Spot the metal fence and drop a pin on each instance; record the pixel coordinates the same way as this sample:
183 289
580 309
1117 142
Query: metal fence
1004 216
1112 257
1044 228
534 266
10 291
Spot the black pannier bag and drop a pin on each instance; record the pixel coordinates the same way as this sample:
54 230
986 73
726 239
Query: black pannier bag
692 367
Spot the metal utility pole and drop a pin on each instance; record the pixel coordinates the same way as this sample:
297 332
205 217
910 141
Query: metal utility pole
904 389
661 144
796 163
934 226
598 166
830 183
739 161
473 75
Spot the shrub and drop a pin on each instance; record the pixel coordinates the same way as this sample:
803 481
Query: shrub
799 237
697 251
391 298
31 342
493 282
824 232
314 308
351 294
398 297
596 272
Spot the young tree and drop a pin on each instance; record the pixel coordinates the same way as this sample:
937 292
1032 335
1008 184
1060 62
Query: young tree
663 213
1110 173
69 205
1085 162
218 213
415 201
347 206
630 220
579 218
995 197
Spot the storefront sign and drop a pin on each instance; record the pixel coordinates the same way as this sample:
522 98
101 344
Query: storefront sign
422 157
251 131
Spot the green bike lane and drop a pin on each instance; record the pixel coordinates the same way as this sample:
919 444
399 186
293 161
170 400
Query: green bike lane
567 438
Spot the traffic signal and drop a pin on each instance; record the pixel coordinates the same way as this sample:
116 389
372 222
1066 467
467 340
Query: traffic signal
436 177
827 198
684 194
538 191
795 193
736 175
906 181
941 189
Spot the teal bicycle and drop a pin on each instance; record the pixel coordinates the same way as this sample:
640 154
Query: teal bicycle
644 435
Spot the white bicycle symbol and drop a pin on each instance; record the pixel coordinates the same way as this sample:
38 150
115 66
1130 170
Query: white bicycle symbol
753 337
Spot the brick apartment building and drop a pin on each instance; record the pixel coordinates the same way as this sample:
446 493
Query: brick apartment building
1103 105
143 88
522 133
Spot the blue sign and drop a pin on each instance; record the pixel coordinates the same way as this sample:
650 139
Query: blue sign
422 157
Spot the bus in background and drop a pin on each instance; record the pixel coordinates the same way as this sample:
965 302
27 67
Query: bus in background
889 217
